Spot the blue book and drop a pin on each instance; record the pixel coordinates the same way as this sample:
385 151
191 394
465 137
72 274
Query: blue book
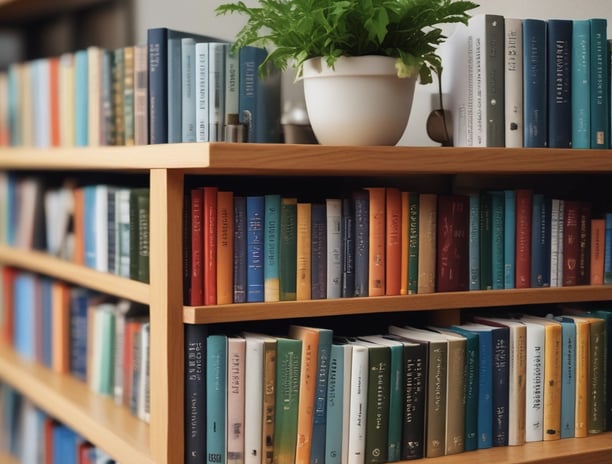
474 241
559 83
81 97
319 425
272 247
606 315
79 302
195 397
534 83
259 97
65 445
600 129
318 252
240 249
348 248
216 381
509 237
485 384
25 289
497 239
339 367
568 378
608 250
540 240
361 205
255 205
581 83
90 229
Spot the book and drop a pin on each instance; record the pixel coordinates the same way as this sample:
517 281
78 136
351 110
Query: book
540 240
338 397
474 241
272 215
452 243
485 262
376 244
81 98
534 378
498 209
509 238
570 243
201 92
196 237
287 249
427 231
236 386
568 378
523 237
333 215
225 247
404 227
319 426
209 246
393 241
361 205
599 84
117 96
348 248
188 89
254 222
304 252
128 95
240 249
216 90
535 107
139 234
318 252
358 394
216 398
513 81
581 84
141 86
559 75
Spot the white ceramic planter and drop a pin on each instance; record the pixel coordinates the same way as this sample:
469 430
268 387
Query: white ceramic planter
361 101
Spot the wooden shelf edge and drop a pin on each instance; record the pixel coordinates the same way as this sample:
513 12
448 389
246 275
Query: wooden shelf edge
594 449
369 305
95 417
6 458
43 263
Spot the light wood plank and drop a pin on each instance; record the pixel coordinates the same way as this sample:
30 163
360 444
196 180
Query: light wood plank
43 263
69 400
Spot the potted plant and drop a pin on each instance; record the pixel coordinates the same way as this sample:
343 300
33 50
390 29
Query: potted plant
367 52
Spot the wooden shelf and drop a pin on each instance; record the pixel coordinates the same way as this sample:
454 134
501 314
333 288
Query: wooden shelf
6 458
595 449
297 160
43 263
13 12
372 305
69 400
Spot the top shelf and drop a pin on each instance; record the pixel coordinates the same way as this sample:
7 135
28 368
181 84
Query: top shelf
288 160
21 11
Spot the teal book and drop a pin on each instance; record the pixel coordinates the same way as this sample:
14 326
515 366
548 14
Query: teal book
600 129
287 262
338 395
319 425
497 239
288 362
81 98
486 241
581 84
272 204
474 241
509 237
216 393
361 205
568 378
559 83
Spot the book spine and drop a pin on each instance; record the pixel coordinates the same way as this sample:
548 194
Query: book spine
497 239
201 92
393 241
196 297
304 252
540 241
81 98
335 400
452 243
188 78
427 236
580 78
523 238
362 233
534 388
568 379
596 422
225 247
254 248
486 241
501 365
376 270
240 249
513 78
584 244
509 238
216 391
436 400
287 249
377 417
570 243
128 95
559 83
318 252
216 87
600 130
195 401
236 353
413 243
608 249
552 382
474 241
272 203
333 210
209 247
348 248
598 231
534 83
404 227
232 88
141 121
494 57
358 401
319 425
253 400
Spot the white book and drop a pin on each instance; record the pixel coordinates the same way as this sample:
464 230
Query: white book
253 398
143 395
333 211
357 405
216 90
201 91
41 93
122 220
188 89
236 354
101 227
534 378
232 89
513 79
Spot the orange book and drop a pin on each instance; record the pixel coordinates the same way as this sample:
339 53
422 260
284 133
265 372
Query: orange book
393 241
60 337
405 205
427 242
210 245
308 381
79 226
132 327
303 257
583 356
598 227
54 105
225 247
376 266
8 277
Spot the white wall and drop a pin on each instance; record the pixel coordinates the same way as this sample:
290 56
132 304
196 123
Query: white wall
199 16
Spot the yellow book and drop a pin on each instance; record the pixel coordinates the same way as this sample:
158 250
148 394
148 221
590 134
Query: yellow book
303 282
427 238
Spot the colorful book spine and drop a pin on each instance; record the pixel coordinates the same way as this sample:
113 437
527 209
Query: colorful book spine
509 237
188 89
255 205
497 239
195 400
348 248
287 264
240 249
598 230
608 249
513 79
581 83
540 240
304 252
376 270
337 402
225 247
318 252
393 241
216 397
319 424
568 379
235 383
362 232
474 241
427 236
272 203
600 112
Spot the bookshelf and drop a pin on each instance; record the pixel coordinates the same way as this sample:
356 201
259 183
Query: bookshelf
167 167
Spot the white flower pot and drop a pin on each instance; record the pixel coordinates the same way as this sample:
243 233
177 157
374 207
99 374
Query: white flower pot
361 101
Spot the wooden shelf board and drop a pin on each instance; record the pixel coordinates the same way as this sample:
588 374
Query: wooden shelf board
21 11
6 458
70 401
431 301
294 160
43 263
595 449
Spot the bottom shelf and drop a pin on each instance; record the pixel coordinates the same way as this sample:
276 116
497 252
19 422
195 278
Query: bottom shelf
595 449
98 419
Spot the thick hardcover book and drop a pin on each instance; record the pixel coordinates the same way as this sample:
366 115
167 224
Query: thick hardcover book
608 249
404 227
361 206
236 365
303 284
338 397
333 216
271 247
288 365
452 244
513 80
240 249
581 83
393 241
584 234
568 378
196 239
606 316
188 89
540 240
255 248
287 264
534 83
474 241
195 398
509 238
534 378
209 248
348 248
427 236
559 75
600 113
139 234
486 241
319 424
216 398
497 239
318 252
570 243
376 270
225 247
523 238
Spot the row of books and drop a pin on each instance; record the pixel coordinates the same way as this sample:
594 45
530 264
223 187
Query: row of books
312 395
32 437
178 87
105 227
384 241
74 331
529 82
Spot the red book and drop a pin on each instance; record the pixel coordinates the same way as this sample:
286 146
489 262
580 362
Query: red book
452 269
197 270
598 229
571 242
393 241
523 238
8 277
584 253
209 225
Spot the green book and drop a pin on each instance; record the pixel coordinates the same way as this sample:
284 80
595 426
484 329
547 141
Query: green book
287 264
413 242
139 234
606 315
288 361
597 400
271 247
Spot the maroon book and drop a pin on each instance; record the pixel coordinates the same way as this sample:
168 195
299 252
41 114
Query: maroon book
523 238
452 267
